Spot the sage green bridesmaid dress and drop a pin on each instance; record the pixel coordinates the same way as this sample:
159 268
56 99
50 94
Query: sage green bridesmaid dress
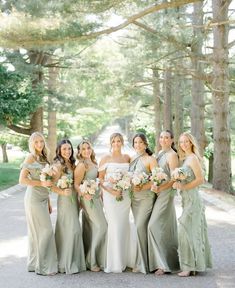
194 249
94 228
162 228
42 256
68 235
141 205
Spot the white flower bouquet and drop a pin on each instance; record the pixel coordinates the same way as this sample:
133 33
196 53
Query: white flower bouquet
139 178
158 176
66 182
47 173
179 174
121 180
89 187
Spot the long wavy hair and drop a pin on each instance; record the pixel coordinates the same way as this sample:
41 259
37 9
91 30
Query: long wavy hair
79 153
195 147
144 139
45 150
60 159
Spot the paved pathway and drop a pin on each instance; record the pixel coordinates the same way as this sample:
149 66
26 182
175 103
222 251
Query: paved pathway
13 250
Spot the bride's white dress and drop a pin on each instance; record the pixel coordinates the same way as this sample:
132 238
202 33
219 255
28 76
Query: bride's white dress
117 215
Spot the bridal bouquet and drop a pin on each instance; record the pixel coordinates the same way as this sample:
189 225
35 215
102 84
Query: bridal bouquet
139 178
65 182
46 173
121 180
89 187
179 174
158 176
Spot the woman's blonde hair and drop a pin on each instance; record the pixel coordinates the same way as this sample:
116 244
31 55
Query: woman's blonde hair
114 135
45 150
195 147
79 152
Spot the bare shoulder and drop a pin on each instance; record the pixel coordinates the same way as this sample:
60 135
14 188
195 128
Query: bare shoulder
57 164
105 159
127 157
194 162
80 166
172 155
29 159
152 158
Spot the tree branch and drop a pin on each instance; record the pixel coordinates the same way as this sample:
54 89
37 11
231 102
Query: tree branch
28 43
20 130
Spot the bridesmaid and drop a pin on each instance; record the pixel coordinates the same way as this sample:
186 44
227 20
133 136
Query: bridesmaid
117 212
94 222
68 233
42 257
162 228
143 200
194 249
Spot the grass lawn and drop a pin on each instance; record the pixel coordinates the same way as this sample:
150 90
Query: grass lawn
9 172
9 176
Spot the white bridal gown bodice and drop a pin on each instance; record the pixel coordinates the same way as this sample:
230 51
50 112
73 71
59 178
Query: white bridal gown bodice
117 215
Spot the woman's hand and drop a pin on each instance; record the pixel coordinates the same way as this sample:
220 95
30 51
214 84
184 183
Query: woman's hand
67 192
155 189
87 197
116 193
137 188
46 183
178 185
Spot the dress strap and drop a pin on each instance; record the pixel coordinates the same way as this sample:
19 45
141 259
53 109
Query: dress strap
135 162
160 155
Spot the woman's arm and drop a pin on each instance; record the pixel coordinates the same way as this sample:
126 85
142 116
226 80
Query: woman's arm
101 176
79 174
24 175
197 170
56 177
173 163
152 163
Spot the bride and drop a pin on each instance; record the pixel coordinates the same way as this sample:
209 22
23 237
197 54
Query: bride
116 210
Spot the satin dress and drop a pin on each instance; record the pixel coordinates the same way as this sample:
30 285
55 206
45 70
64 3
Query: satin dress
68 235
141 205
162 228
94 227
42 256
117 215
194 249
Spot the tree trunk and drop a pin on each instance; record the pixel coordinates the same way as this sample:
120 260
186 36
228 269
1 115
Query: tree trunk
178 108
210 168
157 107
36 121
198 103
167 112
52 135
37 59
220 98
4 153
